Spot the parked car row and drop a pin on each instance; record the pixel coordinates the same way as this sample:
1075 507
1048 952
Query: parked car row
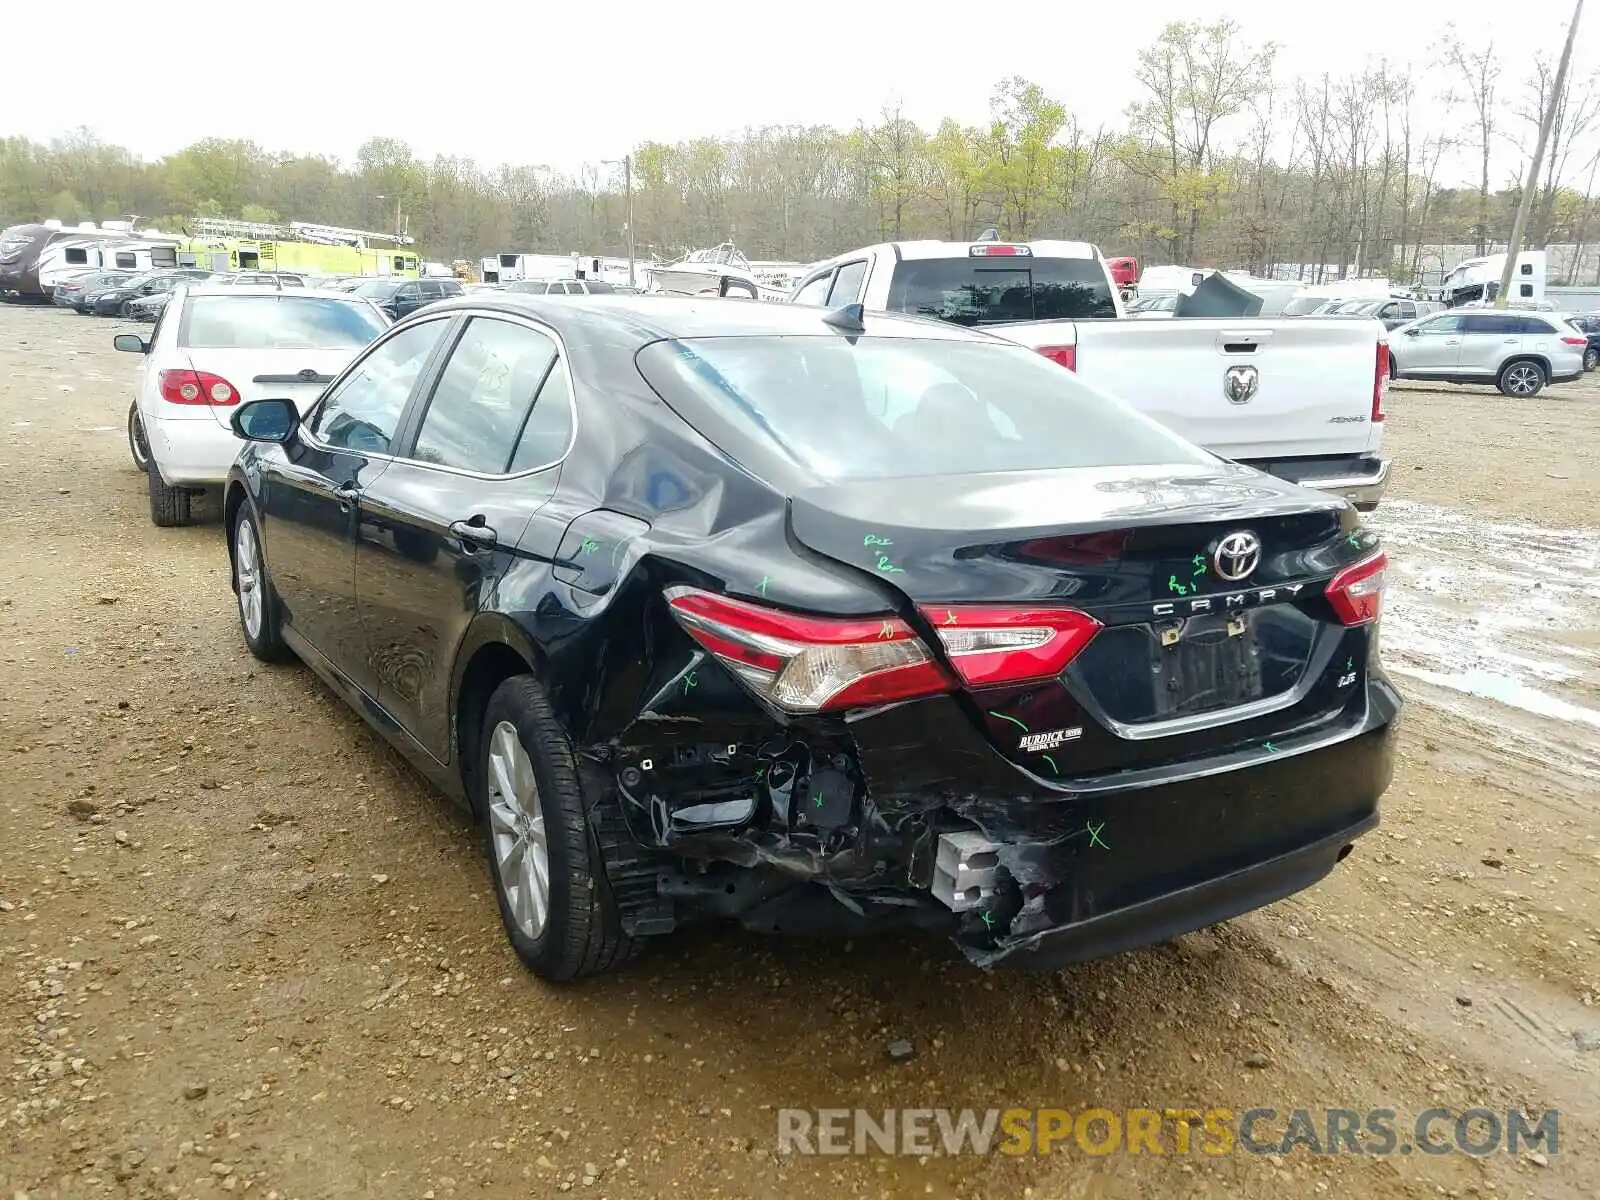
803 616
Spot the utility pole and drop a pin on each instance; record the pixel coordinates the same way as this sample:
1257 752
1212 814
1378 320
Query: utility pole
1529 189
627 182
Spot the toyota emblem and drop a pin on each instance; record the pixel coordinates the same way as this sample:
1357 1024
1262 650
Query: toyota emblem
1236 556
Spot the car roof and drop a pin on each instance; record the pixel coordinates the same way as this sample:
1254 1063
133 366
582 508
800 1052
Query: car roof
648 318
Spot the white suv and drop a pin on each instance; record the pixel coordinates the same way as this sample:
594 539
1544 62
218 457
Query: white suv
1518 352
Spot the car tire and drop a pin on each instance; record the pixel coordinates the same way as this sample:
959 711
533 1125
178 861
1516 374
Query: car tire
557 907
125 310
259 619
1591 358
1521 378
138 443
169 506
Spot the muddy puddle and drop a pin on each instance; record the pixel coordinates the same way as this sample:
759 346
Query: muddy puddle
1498 623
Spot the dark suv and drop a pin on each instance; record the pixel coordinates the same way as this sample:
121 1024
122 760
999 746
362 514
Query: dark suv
402 297
1588 324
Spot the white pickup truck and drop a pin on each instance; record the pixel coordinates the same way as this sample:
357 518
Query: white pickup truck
1302 399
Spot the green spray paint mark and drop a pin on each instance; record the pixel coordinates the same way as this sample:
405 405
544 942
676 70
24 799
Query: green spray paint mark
761 587
1271 749
887 567
588 546
1350 663
1094 835
1175 586
689 682
988 919
1199 561
1052 763
1013 720
885 631
949 617
1355 540
817 801
873 539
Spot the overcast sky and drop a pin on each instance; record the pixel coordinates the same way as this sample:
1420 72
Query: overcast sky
561 84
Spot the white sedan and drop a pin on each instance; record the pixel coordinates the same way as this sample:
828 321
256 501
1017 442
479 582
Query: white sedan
215 348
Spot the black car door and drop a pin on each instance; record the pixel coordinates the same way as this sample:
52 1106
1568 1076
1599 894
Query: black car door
310 494
480 454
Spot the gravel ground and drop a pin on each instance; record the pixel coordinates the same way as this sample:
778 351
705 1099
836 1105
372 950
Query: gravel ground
243 948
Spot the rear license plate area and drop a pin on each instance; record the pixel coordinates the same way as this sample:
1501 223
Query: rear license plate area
1204 664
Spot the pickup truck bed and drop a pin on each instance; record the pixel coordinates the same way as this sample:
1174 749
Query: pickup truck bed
1302 399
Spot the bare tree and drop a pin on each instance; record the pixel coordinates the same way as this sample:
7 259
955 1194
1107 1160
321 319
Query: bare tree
1475 86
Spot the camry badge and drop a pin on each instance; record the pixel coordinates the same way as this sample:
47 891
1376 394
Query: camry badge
1237 555
1239 384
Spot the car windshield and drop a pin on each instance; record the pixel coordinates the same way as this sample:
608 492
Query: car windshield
378 289
248 322
878 407
989 291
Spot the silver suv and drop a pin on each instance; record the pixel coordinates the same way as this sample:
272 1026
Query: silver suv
1518 352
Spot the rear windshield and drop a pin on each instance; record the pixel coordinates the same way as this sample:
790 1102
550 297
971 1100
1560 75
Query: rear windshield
875 408
975 291
1301 305
378 289
273 322
598 287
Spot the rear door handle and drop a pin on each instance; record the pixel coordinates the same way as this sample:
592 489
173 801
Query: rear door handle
346 494
474 536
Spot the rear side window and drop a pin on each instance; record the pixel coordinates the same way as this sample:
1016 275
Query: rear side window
973 291
847 284
1534 327
1492 323
248 322
483 396
870 408
77 256
814 292
599 287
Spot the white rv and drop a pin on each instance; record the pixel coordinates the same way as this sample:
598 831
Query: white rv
1479 279
61 260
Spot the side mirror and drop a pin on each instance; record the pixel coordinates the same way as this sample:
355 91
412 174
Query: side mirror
266 421
130 343
1413 332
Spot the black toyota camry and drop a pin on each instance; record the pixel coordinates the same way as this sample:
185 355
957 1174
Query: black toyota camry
822 621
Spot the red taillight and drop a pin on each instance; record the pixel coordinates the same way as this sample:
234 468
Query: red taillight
991 644
811 664
1574 341
1380 382
1067 356
1356 592
197 387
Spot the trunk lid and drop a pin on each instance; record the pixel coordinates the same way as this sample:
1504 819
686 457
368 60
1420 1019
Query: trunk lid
289 374
1186 660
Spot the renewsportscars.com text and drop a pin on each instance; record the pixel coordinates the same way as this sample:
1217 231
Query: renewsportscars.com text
1176 1131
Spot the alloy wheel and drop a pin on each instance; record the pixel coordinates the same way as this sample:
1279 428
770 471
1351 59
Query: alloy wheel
247 565
1523 379
517 827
